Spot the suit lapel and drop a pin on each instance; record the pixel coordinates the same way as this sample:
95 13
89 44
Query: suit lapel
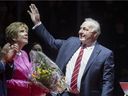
73 49
92 58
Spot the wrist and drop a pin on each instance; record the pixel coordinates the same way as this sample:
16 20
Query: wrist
37 22
3 61
37 25
7 61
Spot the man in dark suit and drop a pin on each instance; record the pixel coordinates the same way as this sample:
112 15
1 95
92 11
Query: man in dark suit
7 54
96 67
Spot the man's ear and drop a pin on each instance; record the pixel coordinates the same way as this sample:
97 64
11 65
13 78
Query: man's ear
96 35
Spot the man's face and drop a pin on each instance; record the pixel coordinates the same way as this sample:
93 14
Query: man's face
37 47
86 34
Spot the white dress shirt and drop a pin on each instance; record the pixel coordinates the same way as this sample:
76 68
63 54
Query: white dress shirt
71 64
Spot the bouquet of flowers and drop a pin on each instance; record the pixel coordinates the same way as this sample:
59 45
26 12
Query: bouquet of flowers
47 73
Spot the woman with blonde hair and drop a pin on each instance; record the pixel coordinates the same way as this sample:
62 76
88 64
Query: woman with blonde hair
20 84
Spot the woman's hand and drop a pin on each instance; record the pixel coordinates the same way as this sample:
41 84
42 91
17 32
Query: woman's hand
8 52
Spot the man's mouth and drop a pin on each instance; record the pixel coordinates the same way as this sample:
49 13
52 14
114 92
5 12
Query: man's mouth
81 36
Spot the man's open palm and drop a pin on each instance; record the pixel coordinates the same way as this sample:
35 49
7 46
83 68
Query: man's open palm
34 14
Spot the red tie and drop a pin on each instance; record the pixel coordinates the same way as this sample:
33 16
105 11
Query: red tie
73 85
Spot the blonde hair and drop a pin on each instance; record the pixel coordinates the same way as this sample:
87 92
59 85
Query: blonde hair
12 30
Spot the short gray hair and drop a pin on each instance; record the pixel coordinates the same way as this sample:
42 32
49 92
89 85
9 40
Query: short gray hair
93 24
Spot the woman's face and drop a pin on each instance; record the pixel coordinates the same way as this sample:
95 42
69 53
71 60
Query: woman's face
22 36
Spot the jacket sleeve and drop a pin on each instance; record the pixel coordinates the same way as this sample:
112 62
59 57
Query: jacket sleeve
9 70
108 76
2 67
42 33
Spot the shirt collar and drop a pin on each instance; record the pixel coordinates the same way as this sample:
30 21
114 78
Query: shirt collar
92 46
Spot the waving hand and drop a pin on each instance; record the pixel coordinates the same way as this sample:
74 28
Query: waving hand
34 14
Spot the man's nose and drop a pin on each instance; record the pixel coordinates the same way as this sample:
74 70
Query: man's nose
80 31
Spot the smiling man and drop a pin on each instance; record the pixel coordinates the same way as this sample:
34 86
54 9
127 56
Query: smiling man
88 66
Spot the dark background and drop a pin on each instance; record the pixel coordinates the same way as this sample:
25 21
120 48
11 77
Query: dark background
63 18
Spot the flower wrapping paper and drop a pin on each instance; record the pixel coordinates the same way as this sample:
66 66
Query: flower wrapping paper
46 73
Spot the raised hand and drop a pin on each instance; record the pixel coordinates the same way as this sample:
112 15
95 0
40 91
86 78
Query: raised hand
8 52
34 14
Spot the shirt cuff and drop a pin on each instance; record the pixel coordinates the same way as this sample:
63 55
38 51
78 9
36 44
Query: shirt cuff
37 25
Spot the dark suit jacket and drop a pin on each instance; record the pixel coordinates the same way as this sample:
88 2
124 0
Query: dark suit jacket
5 74
98 76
